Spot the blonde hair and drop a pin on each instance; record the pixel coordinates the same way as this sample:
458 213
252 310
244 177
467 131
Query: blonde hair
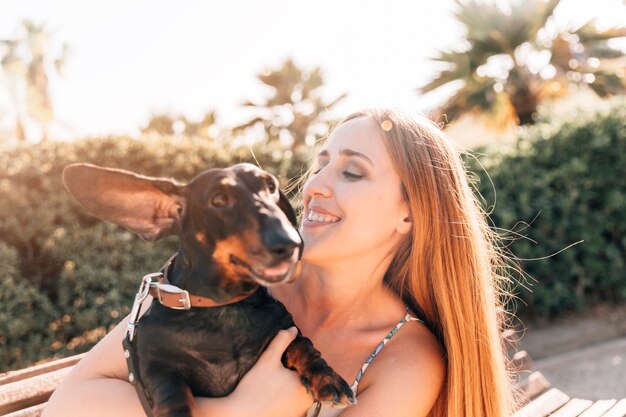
449 268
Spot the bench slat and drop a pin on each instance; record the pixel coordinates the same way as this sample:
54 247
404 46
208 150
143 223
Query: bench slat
533 385
18 375
28 392
521 361
573 408
544 404
618 410
34 411
598 408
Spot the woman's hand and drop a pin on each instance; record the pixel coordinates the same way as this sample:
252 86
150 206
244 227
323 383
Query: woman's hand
270 389
98 385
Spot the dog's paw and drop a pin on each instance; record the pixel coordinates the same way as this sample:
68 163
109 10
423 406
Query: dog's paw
328 387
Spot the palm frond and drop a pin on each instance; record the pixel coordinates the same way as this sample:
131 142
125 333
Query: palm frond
459 68
589 33
248 124
602 50
608 84
333 102
248 103
476 95
443 78
539 17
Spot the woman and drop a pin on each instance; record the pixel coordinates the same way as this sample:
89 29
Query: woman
391 230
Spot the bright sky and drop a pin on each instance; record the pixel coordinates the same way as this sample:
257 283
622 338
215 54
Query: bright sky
131 59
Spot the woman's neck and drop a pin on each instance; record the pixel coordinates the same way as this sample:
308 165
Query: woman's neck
340 294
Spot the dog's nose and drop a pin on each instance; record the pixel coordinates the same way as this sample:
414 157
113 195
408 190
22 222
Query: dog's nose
280 244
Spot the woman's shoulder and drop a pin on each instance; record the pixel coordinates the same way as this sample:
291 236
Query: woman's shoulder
408 373
413 348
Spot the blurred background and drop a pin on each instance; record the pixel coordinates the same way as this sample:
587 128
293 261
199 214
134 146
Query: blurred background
532 90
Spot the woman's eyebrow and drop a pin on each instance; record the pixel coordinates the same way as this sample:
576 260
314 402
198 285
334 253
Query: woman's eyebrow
346 152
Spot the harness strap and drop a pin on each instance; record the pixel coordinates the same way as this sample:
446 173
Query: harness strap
170 296
134 377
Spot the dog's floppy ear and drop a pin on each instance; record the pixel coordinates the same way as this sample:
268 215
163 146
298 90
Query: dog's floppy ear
150 207
286 207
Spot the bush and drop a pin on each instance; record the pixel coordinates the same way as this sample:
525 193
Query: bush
68 277
25 315
567 180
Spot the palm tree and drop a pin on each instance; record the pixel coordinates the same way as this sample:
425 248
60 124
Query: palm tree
14 72
165 124
295 113
514 59
27 63
160 124
201 129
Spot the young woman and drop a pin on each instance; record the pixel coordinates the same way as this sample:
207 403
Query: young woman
399 290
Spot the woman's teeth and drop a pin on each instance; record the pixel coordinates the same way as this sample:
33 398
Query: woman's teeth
322 218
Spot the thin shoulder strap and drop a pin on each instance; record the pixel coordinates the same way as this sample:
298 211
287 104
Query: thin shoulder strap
407 317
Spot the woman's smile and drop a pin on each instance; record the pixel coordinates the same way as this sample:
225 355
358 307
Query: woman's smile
317 216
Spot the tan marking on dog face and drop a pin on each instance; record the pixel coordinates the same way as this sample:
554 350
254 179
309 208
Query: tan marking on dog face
228 181
201 237
239 246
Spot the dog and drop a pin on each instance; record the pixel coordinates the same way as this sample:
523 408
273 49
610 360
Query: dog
212 316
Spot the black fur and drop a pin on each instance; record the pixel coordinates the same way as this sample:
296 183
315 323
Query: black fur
234 226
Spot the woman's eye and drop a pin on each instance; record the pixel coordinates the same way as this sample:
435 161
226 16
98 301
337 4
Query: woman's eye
219 200
352 176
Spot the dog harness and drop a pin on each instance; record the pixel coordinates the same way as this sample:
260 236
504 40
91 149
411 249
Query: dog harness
169 296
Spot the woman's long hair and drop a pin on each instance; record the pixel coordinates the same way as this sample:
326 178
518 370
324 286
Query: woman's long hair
449 268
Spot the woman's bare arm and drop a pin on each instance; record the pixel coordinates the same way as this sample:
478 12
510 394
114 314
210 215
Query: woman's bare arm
98 385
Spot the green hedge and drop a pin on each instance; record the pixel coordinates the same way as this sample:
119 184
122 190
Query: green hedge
564 182
67 277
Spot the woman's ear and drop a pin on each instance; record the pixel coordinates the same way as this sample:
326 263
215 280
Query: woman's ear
405 221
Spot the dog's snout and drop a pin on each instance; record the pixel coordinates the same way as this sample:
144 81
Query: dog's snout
279 243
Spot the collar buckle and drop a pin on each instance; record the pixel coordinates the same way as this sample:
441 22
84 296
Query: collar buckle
173 293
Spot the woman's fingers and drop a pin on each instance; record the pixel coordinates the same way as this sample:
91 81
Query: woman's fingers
269 389
277 346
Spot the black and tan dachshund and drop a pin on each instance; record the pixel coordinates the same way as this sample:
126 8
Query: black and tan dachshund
237 236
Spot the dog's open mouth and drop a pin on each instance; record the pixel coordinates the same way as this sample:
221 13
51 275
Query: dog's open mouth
268 276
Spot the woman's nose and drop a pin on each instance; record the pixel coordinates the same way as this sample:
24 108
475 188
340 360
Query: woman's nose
318 185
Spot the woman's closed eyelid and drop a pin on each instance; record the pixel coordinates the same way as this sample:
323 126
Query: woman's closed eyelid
353 176
351 170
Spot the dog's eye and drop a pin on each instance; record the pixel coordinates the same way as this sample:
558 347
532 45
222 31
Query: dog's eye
219 200
271 186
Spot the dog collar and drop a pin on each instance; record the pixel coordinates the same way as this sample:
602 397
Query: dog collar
173 297
179 299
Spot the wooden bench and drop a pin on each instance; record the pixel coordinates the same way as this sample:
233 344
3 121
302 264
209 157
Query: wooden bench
542 400
555 403
24 393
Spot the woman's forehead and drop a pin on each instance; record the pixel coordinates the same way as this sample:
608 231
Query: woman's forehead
359 135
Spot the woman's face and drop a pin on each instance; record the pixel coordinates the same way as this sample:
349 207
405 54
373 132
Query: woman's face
353 204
